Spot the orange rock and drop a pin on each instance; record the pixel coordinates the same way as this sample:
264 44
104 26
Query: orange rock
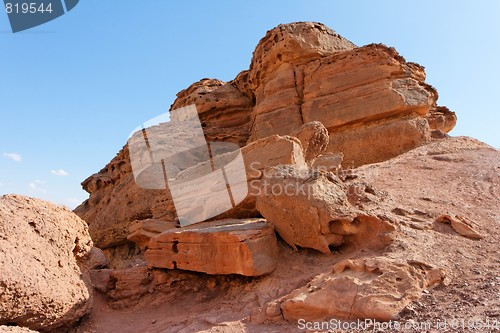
246 247
374 104
143 230
461 225
224 110
378 142
441 118
314 139
310 209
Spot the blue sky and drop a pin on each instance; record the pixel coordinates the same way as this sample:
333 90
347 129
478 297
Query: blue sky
72 90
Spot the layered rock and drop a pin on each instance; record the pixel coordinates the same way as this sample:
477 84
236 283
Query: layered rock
143 230
247 247
376 288
117 205
373 104
223 109
378 141
442 119
116 202
44 258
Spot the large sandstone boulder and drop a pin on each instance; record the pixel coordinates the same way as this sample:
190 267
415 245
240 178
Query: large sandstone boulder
44 253
247 247
314 139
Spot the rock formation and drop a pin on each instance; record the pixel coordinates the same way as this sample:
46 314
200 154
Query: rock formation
373 104
324 232
44 262
312 115
15 329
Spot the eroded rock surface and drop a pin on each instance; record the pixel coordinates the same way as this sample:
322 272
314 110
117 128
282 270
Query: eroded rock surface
310 209
44 257
376 288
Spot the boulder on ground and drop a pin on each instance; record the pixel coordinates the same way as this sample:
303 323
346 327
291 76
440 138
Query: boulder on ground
44 256
310 209
314 139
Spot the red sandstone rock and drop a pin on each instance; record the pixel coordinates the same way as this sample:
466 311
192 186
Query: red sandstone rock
247 247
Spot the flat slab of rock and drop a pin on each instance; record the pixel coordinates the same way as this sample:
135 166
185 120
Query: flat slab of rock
246 247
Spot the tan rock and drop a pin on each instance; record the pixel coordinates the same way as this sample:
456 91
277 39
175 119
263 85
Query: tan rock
224 110
374 104
369 288
44 257
461 225
257 156
277 109
310 209
275 79
329 162
290 43
379 141
362 85
116 202
246 247
125 287
314 139
441 118
143 230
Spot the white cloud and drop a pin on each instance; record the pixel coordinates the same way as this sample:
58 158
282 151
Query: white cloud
13 156
73 202
59 172
35 186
